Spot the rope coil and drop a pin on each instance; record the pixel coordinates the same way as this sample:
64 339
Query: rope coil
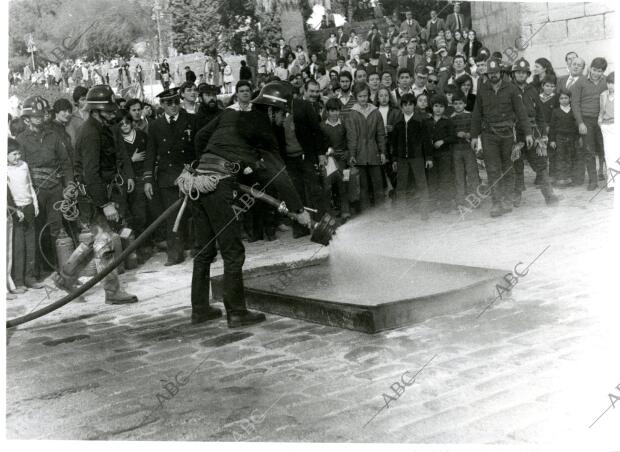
192 184
68 206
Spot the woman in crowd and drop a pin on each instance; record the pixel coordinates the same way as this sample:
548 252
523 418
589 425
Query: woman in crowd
366 144
542 68
465 84
472 46
390 115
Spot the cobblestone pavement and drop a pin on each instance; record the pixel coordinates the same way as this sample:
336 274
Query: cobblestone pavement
536 368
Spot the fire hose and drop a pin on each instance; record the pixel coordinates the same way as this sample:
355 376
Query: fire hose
99 276
322 232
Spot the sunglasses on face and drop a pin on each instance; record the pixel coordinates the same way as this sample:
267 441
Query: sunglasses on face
430 80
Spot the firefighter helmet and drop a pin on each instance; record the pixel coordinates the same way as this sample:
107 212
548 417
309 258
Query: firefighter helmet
35 106
101 97
276 94
521 65
494 65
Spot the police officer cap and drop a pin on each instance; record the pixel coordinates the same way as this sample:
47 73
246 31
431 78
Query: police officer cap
169 94
494 65
521 65
205 88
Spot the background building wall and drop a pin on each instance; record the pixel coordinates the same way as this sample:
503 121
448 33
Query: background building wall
584 27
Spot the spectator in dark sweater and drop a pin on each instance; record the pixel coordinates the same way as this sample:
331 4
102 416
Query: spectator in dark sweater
336 135
412 152
463 157
441 130
563 136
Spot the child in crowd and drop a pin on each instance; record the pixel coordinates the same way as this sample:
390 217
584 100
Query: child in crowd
336 134
412 153
441 130
563 136
449 92
606 122
421 107
391 115
23 205
548 101
366 143
465 165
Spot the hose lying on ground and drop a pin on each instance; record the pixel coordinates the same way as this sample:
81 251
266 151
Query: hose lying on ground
99 276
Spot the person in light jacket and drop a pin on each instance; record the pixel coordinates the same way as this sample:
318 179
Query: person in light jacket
366 144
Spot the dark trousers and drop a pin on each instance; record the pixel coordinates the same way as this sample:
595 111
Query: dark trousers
442 178
335 180
24 246
137 210
538 164
565 149
577 163
47 197
592 146
406 169
169 196
215 220
307 182
370 180
465 173
497 150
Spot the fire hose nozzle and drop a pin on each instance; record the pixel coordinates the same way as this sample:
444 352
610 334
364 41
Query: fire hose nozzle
322 230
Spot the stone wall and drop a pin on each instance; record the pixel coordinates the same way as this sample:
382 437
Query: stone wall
547 30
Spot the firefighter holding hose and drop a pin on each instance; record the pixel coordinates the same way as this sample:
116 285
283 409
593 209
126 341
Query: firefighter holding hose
97 165
235 141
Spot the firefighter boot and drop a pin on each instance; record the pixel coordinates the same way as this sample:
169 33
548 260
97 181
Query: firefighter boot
201 311
114 294
234 300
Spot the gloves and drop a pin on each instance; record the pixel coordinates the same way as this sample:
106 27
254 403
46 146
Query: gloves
110 212
304 219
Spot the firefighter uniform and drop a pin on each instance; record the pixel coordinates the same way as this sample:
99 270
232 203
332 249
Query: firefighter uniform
103 170
536 120
49 164
234 140
494 118
170 146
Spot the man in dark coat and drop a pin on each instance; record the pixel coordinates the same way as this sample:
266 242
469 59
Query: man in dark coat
170 146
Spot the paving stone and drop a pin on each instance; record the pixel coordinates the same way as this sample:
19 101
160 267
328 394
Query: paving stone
490 378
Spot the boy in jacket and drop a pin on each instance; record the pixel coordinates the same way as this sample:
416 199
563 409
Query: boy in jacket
412 152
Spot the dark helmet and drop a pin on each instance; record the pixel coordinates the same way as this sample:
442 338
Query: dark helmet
276 94
101 97
494 65
521 65
35 106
